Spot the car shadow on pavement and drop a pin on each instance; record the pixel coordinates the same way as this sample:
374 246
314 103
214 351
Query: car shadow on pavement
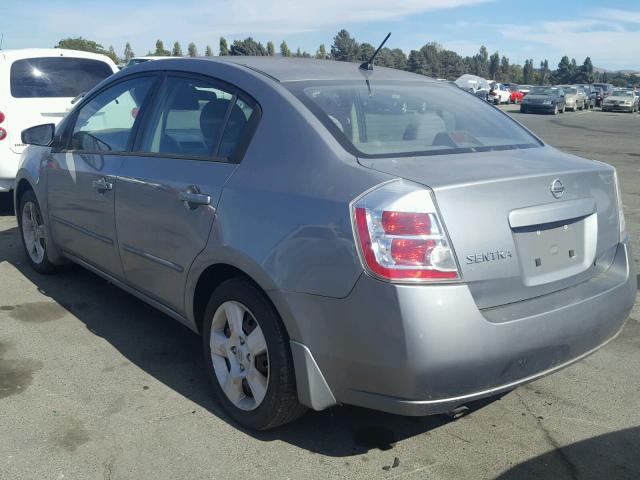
171 353
614 455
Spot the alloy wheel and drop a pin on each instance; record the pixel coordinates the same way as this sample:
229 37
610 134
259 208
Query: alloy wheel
240 356
33 232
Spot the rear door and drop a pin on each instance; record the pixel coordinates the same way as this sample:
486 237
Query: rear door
42 88
168 191
81 181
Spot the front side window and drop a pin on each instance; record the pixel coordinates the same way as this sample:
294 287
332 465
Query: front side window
56 76
196 118
105 123
409 118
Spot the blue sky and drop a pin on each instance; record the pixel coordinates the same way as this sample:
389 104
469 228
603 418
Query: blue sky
609 32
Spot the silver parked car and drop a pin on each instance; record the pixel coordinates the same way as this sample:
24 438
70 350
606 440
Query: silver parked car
621 100
575 97
336 235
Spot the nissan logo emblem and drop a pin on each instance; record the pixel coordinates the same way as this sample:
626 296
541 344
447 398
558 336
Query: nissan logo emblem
557 188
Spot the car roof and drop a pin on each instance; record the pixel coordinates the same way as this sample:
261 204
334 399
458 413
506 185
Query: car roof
19 53
288 69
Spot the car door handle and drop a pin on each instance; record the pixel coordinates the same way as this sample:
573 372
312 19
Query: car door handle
102 184
193 198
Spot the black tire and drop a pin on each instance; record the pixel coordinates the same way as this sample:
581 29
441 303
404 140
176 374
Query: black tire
280 404
44 266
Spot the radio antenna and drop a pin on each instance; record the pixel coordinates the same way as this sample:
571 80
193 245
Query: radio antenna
369 64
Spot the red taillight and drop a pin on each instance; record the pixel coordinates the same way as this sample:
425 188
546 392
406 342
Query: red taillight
3 133
2 117
406 223
400 235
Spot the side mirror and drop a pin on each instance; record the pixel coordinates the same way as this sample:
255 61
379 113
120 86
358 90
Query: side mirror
39 135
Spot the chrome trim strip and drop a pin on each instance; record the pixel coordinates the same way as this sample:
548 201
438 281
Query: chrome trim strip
80 229
153 258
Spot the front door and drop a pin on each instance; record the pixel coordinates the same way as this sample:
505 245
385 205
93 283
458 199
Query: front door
82 178
168 191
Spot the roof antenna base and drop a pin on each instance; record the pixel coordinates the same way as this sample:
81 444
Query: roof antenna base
368 65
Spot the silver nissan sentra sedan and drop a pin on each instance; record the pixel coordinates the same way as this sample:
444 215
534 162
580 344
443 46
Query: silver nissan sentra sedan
336 235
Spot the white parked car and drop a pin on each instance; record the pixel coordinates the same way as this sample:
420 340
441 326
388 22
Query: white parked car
499 93
137 60
36 87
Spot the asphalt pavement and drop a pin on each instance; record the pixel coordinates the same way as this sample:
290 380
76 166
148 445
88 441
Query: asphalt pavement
95 384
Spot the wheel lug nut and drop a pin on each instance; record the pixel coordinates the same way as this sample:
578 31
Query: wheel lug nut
241 341
233 349
241 368
248 357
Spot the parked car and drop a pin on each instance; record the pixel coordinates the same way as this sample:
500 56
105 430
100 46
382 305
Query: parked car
37 85
545 100
621 101
607 88
516 96
499 93
478 85
138 60
408 260
590 95
524 89
574 97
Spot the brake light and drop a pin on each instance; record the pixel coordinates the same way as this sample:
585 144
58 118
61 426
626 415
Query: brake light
2 117
400 236
3 134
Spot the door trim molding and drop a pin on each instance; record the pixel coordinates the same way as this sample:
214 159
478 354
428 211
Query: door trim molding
153 258
80 229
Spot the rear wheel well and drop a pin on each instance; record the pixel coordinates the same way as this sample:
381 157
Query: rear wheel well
209 280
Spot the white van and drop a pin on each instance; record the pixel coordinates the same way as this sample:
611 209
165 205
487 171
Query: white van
36 87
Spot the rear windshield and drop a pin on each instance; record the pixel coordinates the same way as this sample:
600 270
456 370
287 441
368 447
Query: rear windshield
410 118
56 76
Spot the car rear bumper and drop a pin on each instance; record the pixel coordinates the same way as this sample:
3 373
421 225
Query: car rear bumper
420 350
9 164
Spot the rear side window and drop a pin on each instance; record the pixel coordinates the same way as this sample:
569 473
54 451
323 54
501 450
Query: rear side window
105 123
56 76
403 119
196 118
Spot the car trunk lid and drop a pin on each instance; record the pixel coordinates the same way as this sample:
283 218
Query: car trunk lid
28 112
523 223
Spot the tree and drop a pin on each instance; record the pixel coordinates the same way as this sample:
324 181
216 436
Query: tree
322 52
298 53
112 55
563 74
208 51
248 46
79 43
399 59
482 62
177 50
192 50
271 49
494 65
451 64
344 48
224 49
417 63
128 53
544 72
284 49
160 51
586 71
527 72
504 69
365 52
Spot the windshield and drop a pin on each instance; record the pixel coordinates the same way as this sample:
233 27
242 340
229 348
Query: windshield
56 76
570 90
622 94
409 118
543 91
